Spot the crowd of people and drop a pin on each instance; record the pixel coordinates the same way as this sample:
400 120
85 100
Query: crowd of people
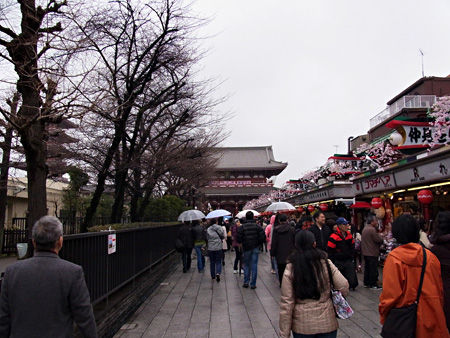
312 255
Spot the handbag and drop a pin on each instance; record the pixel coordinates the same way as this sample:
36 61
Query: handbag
342 308
204 250
401 322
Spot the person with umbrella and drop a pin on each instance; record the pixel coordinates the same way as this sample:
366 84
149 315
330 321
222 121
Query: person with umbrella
185 237
215 235
199 234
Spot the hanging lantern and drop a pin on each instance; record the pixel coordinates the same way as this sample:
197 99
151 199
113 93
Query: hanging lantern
311 208
300 209
425 196
376 202
323 206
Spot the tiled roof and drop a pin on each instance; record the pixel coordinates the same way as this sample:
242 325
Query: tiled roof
257 158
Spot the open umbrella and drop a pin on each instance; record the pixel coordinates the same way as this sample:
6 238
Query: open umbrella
218 213
191 215
280 206
241 214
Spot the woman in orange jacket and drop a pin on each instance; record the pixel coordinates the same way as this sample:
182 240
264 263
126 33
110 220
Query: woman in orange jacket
401 277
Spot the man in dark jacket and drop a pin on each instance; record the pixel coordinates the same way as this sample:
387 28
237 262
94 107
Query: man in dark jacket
42 296
186 236
371 241
320 231
341 250
199 234
251 236
282 244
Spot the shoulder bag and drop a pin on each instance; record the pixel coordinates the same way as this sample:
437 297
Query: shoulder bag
342 308
401 322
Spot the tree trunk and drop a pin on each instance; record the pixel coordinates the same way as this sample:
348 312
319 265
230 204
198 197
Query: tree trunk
4 176
119 195
135 195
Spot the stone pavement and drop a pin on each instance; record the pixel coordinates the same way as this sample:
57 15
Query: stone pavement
193 305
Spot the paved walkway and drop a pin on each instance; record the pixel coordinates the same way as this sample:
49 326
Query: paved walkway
192 305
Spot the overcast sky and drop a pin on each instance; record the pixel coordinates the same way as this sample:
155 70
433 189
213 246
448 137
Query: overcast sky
303 76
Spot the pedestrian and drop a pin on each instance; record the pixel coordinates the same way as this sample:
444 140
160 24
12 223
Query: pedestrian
306 307
341 250
269 230
320 230
401 278
185 235
199 234
441 248
236 246
282 244
225 238
42 296
214 236
371 241
251 236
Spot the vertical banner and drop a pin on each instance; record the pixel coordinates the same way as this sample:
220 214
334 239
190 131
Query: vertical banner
111 244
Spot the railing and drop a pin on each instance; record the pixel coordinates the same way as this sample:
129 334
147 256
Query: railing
407 101
136 251
19 234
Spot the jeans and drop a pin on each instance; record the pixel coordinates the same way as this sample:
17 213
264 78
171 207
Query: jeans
200 258
273 262
238 258
215 260
186 258
370 270
251 266
319 335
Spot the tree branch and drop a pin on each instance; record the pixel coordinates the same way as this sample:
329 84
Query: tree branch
8 31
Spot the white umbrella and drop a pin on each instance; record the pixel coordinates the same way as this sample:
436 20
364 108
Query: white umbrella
280 206
218 213
191 215
241 214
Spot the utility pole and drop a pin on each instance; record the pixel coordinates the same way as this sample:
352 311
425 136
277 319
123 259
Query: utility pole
421 53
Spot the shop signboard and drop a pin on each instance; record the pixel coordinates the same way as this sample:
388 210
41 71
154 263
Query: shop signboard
433 171
377 183
313 196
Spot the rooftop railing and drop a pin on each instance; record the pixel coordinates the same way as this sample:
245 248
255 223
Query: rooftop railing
407 101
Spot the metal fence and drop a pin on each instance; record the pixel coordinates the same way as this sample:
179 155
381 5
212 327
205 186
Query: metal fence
136 251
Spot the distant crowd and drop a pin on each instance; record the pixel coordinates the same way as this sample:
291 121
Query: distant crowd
315 257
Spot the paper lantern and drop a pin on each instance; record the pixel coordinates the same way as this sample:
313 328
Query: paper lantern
300 209
380 212
425 196
311 208
323 206
376 202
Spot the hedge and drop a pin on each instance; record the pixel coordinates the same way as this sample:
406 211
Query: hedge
120 226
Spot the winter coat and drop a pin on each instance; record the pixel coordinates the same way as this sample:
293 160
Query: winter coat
214 235
341 246
282 242
370 241
441 249
234 229
269 230
401 278
199 233
186 236
309 316
224 240
251 235
321 236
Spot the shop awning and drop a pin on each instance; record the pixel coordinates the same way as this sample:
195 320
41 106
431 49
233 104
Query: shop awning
361 205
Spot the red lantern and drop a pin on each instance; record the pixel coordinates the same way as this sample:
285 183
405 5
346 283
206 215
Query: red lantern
300 209
323 206
311 208
376 202
425 197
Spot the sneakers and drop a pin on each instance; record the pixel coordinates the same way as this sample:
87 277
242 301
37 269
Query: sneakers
273 271
376 287
235 271
366 286
218 278
245 285
253 287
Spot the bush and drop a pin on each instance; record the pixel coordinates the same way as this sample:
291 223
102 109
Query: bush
164 209
120 226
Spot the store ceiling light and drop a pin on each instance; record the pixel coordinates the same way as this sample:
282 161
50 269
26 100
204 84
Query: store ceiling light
399 191
429 186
